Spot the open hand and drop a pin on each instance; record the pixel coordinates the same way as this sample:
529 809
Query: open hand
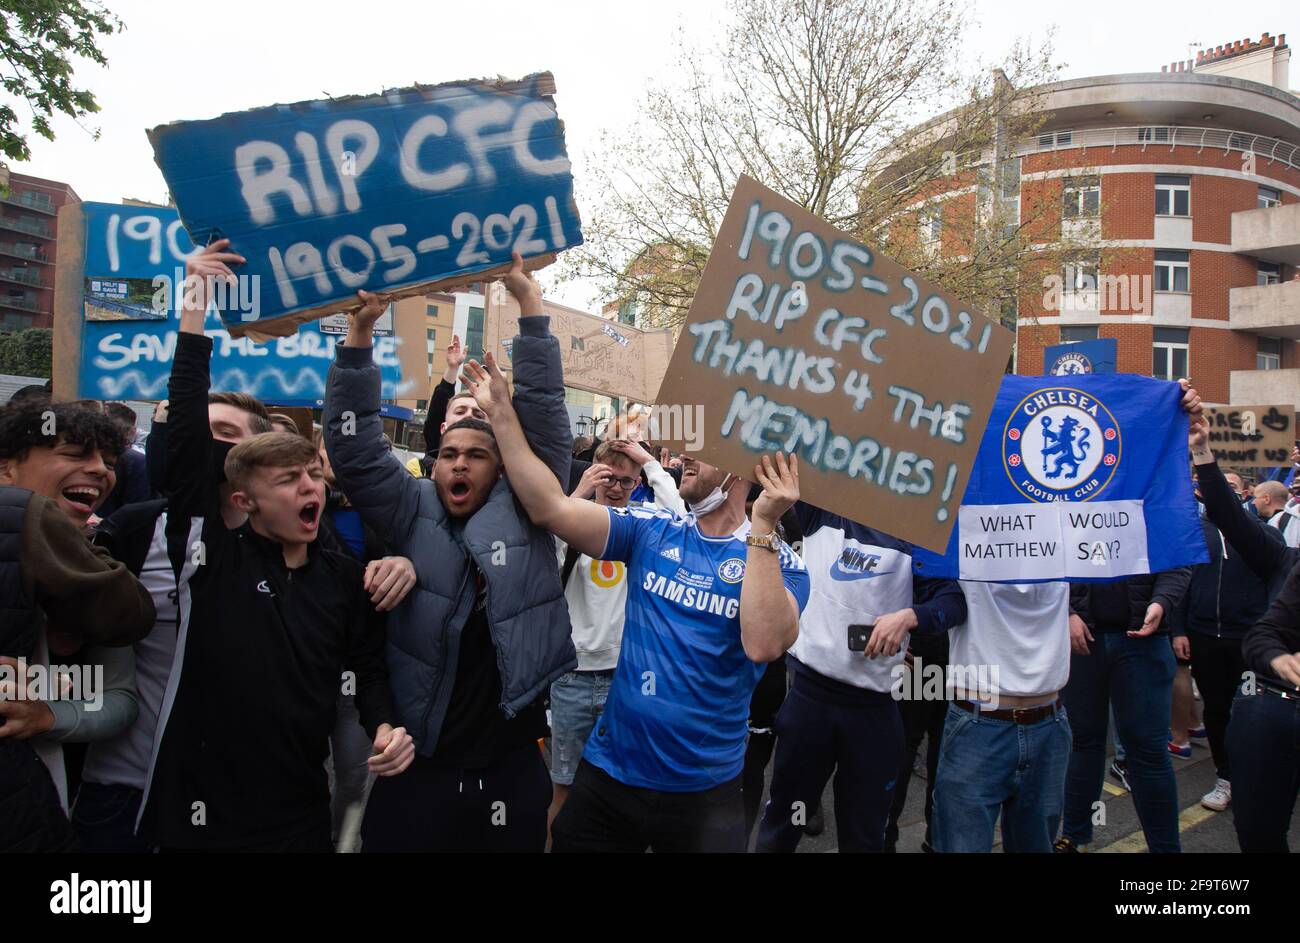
780 481
1155 613
455 356
633 450
488 384
202 268
596 474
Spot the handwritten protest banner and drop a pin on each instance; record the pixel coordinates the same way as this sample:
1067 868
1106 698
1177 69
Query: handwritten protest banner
130 357
804 340
409 191
600 356
1252 436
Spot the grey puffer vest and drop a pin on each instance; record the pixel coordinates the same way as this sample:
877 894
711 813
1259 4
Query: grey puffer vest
527 614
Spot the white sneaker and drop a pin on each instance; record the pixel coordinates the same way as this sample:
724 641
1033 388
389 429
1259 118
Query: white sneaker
1219 797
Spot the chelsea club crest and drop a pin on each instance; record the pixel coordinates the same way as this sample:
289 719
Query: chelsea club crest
1061 444
1070 363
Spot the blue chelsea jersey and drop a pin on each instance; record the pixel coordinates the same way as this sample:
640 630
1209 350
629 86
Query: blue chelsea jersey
678 708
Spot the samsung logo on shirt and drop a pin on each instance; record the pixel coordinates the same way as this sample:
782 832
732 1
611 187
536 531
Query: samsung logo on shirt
690 597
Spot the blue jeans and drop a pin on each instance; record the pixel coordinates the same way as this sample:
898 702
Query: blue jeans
104 818
577 701
989 767
1264 743
1135 677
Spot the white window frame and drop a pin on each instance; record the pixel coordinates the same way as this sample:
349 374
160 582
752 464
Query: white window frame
1174 268
930 228
1075 200
1170 348
1173 189
1265 277
1267 359
1265 201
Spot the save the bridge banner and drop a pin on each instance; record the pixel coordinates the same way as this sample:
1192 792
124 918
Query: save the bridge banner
1081 478
122 279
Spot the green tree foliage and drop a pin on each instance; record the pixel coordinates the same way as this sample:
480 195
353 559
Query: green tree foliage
39 41
27 353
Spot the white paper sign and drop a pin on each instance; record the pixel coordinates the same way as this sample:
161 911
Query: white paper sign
1052 541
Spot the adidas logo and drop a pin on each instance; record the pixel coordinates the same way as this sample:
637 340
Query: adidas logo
672 553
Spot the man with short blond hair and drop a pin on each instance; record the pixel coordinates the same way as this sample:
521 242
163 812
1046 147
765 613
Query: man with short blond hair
268 621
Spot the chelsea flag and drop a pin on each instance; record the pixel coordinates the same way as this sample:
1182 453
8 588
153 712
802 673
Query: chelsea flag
1080 478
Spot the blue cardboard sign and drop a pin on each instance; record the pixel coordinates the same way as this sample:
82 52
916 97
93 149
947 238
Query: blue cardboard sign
422 186
1062 360
129 358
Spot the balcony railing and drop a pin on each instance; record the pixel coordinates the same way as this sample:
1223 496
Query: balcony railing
26 202
34 226
1155 137
1148 137
25 276
23 250
21 302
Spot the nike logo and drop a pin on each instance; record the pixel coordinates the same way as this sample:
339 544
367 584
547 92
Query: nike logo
838 572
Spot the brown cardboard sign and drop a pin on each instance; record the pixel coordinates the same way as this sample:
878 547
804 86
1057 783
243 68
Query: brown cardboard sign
600 356
801 339
1251 436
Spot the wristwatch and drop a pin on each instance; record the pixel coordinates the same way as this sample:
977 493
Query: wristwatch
767 542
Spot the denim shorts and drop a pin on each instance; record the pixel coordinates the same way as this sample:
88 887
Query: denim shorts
577 701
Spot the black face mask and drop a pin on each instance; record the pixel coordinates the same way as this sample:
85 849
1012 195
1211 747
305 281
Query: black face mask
219 452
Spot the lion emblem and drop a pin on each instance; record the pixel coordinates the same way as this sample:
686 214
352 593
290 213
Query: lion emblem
1068 446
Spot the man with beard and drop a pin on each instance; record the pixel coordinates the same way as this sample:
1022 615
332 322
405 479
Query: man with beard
716 598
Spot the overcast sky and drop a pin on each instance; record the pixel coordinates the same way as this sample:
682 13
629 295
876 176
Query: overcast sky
184 60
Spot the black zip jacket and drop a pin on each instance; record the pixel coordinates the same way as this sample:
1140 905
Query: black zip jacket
1121 606
1225 596
261 649
1278 632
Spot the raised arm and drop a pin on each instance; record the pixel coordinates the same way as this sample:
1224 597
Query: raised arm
769 612
190 481
539 377
581 524
1243 532
440 397
384 493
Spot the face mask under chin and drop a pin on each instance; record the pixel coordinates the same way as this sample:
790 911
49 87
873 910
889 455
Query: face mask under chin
713 500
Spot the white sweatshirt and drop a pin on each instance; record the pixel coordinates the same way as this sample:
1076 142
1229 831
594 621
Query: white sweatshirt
597 590
1015 640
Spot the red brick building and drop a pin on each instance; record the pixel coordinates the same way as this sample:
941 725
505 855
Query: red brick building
1187 181
28 238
